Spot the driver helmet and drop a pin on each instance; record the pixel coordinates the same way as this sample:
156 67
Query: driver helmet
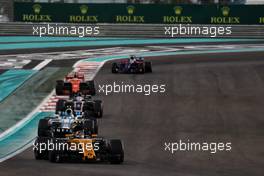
132 57
78 98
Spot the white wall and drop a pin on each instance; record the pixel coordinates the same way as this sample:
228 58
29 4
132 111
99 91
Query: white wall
255 2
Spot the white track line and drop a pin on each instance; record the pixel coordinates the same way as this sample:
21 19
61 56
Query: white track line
42 64
41 108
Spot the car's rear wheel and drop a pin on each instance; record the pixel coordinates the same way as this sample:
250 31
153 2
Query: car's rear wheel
88 107
141 68
148 67
98 108
114 68
55 155
116 151
43 127
84 88
67 88
59 87
38 153
91 87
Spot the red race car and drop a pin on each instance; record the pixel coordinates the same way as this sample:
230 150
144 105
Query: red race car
75 83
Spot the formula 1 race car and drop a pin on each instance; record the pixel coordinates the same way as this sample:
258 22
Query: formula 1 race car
132 65
74 83
78 144
65 122
81 105
92 150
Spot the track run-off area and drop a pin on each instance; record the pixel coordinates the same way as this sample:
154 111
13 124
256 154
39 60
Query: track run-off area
214 93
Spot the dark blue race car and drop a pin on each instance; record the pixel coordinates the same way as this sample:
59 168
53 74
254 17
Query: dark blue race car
132 65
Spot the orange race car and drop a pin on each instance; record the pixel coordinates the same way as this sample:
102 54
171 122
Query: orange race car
75 83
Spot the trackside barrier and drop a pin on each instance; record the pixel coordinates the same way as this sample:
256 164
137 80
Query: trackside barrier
135 30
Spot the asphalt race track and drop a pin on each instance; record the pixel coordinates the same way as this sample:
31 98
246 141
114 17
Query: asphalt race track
209 97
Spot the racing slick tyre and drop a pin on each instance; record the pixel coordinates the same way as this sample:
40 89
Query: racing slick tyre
87 106
67 89
55 156
84 88
133 68
60 106
59 87
98 108
148 67
91 87
43 128
114 68
96 128
141 69
116 151
39 155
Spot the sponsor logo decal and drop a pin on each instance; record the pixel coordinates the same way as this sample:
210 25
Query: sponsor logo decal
178 17
83 18
225 18
36 16
130 18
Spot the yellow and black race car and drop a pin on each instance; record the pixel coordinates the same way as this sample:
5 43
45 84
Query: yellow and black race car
78 144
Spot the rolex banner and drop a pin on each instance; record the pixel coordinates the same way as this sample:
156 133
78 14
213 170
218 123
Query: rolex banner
138 13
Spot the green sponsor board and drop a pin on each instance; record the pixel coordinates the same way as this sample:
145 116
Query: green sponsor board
138 13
